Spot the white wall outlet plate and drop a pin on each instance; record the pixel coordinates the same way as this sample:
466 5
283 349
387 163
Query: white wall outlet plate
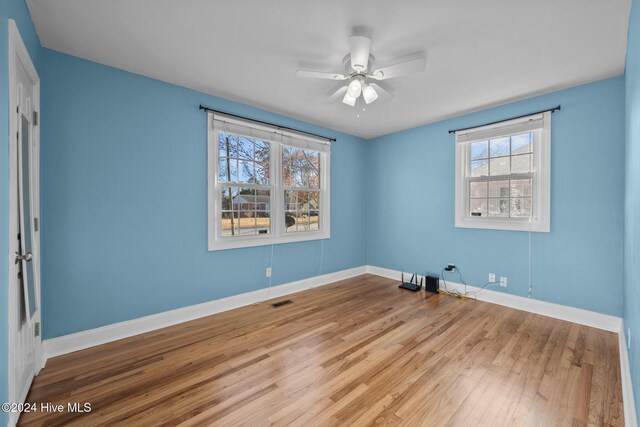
492 278
268 272
503 282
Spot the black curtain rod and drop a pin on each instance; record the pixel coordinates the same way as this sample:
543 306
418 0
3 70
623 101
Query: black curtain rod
556 108
211 110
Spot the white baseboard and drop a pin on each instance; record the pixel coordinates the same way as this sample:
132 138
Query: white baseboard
557 311
627 388
85 339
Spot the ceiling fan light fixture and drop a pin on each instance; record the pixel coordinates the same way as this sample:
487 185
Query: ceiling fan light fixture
359 76
369 94
349 100
355 88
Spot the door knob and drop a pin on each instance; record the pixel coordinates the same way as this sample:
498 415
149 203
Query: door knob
27 257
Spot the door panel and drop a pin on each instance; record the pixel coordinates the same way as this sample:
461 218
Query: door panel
25 348
26 218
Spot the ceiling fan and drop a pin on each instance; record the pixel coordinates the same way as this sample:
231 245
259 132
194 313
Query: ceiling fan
358 71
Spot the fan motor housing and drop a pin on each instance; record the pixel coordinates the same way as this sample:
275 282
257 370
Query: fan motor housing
350 70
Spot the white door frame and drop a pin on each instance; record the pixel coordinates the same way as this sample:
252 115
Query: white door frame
18 50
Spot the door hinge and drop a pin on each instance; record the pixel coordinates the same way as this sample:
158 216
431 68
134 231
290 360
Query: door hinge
35 223
36 329
35 118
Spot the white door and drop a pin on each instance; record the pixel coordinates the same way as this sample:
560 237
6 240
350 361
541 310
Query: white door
24 276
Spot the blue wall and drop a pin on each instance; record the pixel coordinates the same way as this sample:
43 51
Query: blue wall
17 10
632 198
579 263
124 201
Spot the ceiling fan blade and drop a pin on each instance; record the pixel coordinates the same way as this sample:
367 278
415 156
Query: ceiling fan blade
320 75
360 47
383 94
407 67
337 95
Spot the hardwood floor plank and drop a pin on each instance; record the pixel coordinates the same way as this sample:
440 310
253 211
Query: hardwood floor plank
357 352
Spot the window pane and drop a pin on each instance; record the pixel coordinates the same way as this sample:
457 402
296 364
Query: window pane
287 166
222 170
521 187
314 201
478 207
499 188
478 189
521 163
313 168
262 173
314 220
229 194
303 201
245 199
479 150
229 223
262 153
521 143
499 147
247 223
222 144
314 211
296 221
263 200
521 207
479 168
227 170
226 204
263 222
499 207
227 144
291 200
232 165
499 166
245 171
245 148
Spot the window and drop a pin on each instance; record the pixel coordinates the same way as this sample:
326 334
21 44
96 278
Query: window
266 185
503 175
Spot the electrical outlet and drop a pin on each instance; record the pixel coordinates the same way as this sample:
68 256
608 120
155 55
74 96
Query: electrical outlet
492 278
503 282
628 338
268 272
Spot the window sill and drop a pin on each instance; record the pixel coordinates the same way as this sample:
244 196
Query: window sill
504 224
248 242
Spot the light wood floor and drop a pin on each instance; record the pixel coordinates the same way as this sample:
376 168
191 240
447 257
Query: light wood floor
356 352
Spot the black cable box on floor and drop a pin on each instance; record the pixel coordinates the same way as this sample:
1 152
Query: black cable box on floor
411 285
432 283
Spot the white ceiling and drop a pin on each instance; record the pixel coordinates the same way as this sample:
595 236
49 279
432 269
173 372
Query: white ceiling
479 53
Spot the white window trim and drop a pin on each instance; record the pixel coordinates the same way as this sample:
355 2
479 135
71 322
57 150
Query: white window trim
541 219
278 234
